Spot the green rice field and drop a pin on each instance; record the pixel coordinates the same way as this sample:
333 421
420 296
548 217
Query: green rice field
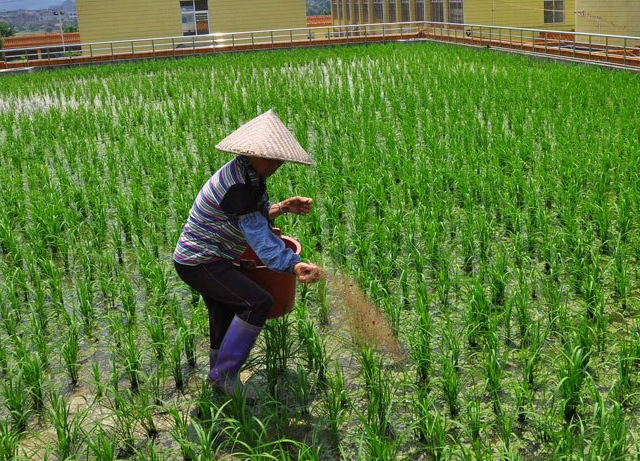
485 204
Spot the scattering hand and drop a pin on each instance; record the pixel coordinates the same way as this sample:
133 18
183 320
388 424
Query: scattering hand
297 205
307 273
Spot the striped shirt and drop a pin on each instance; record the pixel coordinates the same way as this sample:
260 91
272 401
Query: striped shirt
211 234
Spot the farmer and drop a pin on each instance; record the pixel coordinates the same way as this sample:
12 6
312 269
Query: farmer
232 211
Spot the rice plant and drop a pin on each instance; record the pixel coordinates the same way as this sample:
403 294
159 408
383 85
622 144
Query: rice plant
70 433
489 221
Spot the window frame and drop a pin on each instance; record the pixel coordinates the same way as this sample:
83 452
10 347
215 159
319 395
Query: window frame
378 7
436 6
195 15
405 11
554 15
421 4
392 11
453 16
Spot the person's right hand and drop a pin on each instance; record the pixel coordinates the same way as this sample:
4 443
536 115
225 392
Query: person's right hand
307 273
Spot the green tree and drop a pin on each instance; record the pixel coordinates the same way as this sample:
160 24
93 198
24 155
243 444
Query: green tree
6 30
70 28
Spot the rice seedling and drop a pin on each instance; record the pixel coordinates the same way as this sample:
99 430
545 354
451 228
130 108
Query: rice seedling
154 324
121 405
103 446
624 385
175 362
431 426
32 371
189 342
9 442
379 387
99 387
449 369
493 369
15 394
180 433
478 315
314 347
572 373
85 294
621 279
420 340
70 352
335 404
277 348
68 427
4 358
131 357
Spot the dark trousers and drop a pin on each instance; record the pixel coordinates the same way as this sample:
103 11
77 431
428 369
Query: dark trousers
226 292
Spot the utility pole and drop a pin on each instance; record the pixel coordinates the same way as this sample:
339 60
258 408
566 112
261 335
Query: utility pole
61 13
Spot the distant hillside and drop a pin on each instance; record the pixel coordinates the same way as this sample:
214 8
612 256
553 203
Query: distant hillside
10 5
30 21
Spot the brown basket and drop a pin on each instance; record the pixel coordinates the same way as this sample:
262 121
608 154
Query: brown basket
281 286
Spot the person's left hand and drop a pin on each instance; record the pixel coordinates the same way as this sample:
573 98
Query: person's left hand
297 205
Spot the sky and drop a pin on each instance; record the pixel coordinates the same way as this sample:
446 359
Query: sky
28 4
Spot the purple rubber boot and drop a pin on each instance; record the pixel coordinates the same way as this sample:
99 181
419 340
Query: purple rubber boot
233 352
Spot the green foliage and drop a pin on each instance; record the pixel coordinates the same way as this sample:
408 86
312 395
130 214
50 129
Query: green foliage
486 202
6 30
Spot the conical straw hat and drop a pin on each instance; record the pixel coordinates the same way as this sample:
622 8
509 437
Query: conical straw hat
265 136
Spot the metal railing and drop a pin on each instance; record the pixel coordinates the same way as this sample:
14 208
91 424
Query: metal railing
608 49
616 50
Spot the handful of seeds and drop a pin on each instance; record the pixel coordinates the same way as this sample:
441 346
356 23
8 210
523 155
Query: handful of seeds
365 321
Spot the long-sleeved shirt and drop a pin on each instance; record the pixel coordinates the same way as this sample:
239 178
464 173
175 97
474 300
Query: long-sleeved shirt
269 247
221 223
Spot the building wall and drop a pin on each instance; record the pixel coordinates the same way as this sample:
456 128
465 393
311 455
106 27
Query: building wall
243 15
109 20
524 13
617 17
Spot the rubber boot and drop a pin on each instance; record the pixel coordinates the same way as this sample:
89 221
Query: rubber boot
233 352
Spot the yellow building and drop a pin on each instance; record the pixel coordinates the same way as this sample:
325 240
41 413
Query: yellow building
538 14
616 17
111 20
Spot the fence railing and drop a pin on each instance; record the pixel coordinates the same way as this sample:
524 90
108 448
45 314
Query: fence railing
616 50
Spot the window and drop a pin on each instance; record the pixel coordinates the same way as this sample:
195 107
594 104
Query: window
334 10
356 12
553 11
392 11
348 16
420 11
455 11
406 15
340 10
195 17
378 11
437 10
365 11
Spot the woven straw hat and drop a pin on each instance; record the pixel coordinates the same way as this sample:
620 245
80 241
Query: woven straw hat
265 136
